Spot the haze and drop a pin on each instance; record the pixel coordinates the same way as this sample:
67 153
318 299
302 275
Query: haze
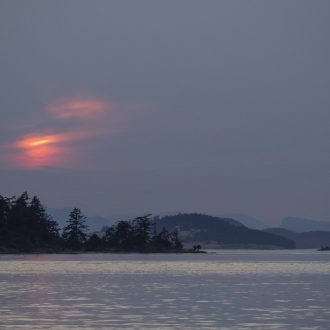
156 106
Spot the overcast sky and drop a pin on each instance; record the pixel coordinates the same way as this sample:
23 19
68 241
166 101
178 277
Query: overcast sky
152 106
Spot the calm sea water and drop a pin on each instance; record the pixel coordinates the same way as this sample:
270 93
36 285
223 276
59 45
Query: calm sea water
222 290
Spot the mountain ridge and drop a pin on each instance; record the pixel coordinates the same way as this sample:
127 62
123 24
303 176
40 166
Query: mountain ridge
305 240
223 231
301 225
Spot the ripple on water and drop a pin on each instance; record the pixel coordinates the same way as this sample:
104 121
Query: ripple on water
223 291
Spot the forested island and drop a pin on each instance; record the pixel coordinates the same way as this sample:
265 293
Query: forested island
25 227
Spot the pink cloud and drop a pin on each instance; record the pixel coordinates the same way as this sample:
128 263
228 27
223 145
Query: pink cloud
86 118
78 109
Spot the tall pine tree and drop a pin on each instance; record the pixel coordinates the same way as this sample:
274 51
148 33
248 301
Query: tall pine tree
45 229
75 233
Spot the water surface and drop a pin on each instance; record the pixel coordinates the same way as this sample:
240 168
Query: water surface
222 290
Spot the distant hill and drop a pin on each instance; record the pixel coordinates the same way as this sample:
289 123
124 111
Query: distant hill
301 225
222 231
306 240
246 220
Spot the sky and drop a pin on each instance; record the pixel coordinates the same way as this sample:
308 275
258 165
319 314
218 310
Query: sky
163 106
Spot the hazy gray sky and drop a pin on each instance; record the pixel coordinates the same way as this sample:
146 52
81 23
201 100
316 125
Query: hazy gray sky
150 106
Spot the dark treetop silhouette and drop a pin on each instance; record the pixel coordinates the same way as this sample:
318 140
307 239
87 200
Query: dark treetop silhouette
26 227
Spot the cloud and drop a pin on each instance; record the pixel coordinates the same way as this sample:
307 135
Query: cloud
88 109
69 122
37 151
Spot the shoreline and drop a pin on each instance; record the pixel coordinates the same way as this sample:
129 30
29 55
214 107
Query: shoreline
183 251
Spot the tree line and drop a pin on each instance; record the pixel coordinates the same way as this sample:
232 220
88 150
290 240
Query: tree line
25 226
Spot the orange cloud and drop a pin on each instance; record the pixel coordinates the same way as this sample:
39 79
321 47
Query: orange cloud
49 150
84 119
78 109
37 151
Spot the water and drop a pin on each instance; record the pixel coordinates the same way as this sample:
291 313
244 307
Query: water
225 290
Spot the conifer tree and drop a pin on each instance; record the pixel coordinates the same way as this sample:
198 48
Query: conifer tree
18 219
142 228
25 225
75 233
4 210
44 227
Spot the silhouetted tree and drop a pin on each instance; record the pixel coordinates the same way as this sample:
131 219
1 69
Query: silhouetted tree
110 237
5 206
166 240
45 229
24 224
196 248
19 223
18 217
124 234
142 227
174 239
4 210
137 235
161 240
75 233
95 243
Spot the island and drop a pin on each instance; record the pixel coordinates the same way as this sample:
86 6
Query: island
25 227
